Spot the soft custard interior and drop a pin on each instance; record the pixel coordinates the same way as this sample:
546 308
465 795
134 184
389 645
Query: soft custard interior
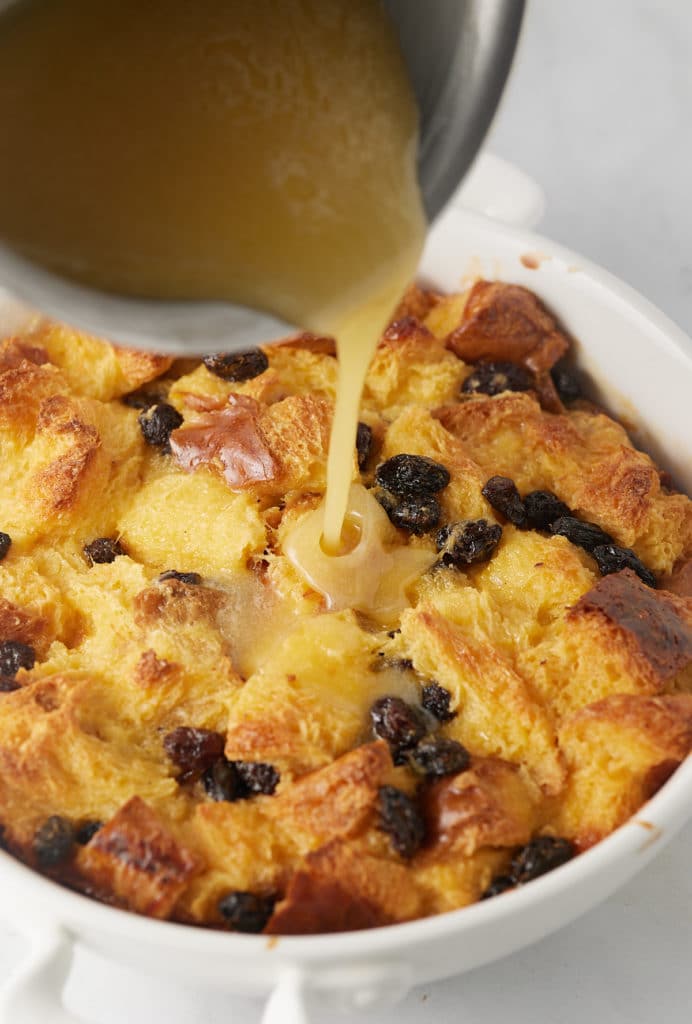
571 712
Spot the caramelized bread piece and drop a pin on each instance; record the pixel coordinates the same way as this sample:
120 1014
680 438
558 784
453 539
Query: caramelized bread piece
507 322
136 860
652 628
337 801
620 637
280 447
339 889
489 805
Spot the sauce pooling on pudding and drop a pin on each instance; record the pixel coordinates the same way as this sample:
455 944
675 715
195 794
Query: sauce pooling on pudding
257 152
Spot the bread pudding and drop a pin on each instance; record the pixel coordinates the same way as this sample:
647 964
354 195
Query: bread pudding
193 730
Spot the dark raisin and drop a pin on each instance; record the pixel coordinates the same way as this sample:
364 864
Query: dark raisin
257 777
15 655
584 535
496 377
435 699
401 820
8 684
103 551
437 755
416 515
237 366
612 558
86 831
191 578
567 382
502 494
387 500
543 508
158 422
539 856
5 544
222 782
363 445
141 399
402 725
245 911
54 841
412 476
466 542
500 884
193 750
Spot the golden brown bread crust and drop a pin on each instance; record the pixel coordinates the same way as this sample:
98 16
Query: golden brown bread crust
507 322
656 627
341 889
269 449
571 692
136 860
488 805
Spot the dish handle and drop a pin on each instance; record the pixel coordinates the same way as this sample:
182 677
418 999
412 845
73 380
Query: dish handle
33 992
501 191
358 987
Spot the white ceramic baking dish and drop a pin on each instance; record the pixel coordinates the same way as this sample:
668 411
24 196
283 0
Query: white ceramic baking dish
641 364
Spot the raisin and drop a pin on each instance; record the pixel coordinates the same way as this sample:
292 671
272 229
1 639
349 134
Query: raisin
54 841
466 542
86 831
496 377
245 911
157 423
103 551
401 820
237 366
257 777
437 755
412 476
402 725
191 578
5 544
416 516
584 535
15 655
543 508
141 399
612 558
567 382
502 494
435 699
193 750
222 782
539 856
364 441
498 885
8 684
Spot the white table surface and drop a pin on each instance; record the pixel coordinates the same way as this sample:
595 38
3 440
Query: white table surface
598 111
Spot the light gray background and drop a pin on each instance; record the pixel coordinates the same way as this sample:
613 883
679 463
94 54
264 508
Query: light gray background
599 111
